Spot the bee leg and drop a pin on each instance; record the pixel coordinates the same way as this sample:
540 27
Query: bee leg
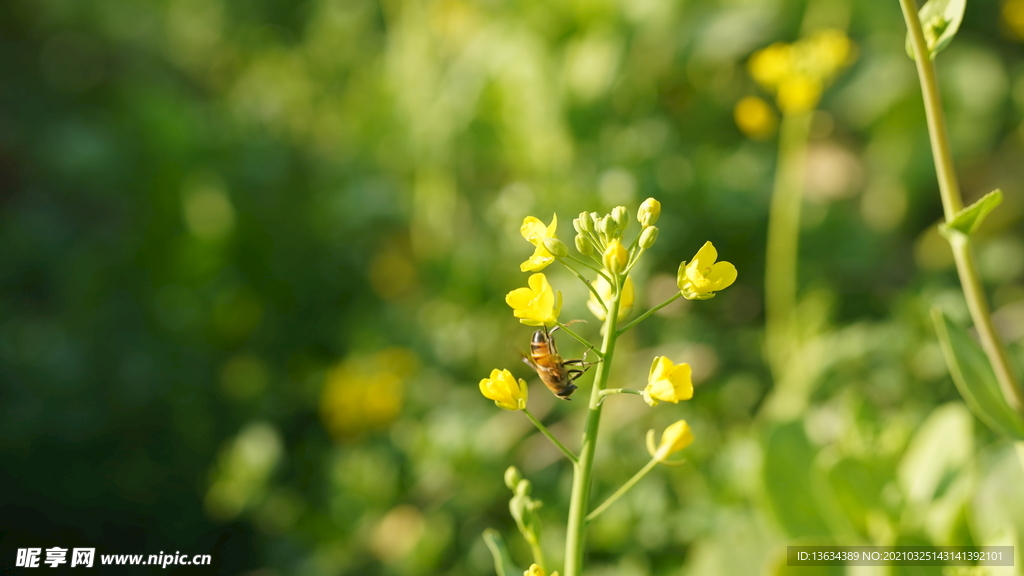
569 323
574 374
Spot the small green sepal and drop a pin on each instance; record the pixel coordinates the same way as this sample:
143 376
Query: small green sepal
940 20
969 219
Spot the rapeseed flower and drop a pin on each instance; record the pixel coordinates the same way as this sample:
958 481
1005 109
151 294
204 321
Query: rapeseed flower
537 305
702 277
507 392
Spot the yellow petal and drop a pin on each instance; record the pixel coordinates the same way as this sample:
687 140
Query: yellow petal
533 230
553 227
539 261
722 275
659 368
675 438
519 299
705 257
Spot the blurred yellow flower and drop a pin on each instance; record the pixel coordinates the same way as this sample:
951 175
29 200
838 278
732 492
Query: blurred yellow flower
365 392
798 72
755 118
702 277
798 93
538 305
1013 17
668 382
535 570
505 390
604 289
535 232
770 65
615 256
675 438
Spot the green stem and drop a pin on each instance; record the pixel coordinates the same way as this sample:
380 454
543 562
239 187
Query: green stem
580 339
591 266
538 555
952 202
622 490
587 282
633 262
783 240
581 481
645 315
613 391
544 430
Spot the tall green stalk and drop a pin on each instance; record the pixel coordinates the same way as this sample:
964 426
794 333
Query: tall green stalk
783 241
952 202
582 471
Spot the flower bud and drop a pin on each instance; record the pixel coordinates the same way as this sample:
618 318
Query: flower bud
675 438
649 211
524 487
577 226
615 257
607 228
512 477
586 223
648 236
584 245
556 247
621 217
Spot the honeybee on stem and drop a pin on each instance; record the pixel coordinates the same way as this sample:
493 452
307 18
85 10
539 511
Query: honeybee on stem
553 371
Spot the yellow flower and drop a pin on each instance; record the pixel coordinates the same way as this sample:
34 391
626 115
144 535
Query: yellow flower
799 72
537 305
535 570
826 52
535 232
755 118
505 390
769 66
615 256
702 277
626 301
669 382
799 93
676 437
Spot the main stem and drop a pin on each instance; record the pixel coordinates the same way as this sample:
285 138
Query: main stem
783 240
581 480
952 202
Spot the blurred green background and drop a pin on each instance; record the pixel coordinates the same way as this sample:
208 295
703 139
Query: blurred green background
253 257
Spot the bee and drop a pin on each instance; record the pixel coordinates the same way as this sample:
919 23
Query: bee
553 371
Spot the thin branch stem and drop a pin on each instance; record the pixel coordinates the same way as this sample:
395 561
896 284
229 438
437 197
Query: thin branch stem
622 489
952 202
592 267
581 339
633 262
587 282
544 430
645 315
614 391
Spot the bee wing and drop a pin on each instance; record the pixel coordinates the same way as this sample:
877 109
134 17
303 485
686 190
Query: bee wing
529 362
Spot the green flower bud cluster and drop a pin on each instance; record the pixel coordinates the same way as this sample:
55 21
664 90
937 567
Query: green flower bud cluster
522 506
600 236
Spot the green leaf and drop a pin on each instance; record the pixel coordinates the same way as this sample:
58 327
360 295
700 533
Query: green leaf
788 462
940 20
975 379
503 564
969 219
